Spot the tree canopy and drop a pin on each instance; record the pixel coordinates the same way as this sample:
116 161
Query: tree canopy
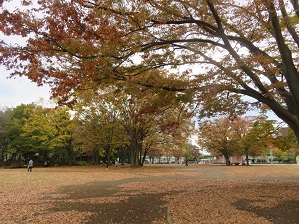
220 137
224 49
240 136
132 120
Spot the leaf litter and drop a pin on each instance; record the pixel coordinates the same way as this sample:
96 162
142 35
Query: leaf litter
255 194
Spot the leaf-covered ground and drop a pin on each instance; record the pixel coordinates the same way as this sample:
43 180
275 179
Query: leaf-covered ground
152 194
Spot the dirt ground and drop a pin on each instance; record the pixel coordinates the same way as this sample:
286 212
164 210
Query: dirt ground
158 194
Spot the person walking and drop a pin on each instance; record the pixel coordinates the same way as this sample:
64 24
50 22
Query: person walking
116 164
30 165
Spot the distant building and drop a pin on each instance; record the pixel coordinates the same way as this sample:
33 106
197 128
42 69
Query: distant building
283 131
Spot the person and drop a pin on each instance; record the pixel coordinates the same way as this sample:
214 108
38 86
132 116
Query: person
46 164
186 162
30 165
116 164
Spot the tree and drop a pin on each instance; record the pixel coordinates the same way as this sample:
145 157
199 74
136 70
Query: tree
61 133
31 131
238 136
286 142
288 156
98 127
18 144
49 134
156 117
256 135
91 43
286 148
133 119
169 142
5 117
193 151
220 137
37 131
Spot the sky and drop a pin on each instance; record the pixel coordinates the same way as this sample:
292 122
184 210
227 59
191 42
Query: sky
18 90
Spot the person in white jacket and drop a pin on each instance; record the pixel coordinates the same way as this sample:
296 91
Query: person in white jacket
30 165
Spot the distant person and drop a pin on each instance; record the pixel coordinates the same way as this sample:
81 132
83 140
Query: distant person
30 165
116 164
186 163
46 164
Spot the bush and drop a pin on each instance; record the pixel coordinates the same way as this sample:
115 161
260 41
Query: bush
82 163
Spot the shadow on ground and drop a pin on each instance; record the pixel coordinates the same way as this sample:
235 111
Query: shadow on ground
135 209
285 212
123 206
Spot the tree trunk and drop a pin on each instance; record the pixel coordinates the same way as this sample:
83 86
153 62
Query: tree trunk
123 156
108 160
135 161
139 162
296 132
95 157
108 156
247 156
70 155
132 158
227 161
144 155
2 159
13 156
136 157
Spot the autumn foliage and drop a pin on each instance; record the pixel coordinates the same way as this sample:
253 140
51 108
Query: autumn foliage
248 136
216 50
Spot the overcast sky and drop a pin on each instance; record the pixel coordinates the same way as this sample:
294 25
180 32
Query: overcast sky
18 90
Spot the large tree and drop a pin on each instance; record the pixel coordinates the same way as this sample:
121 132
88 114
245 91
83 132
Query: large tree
37 131
61 136
220 137
19 144
130 117
256 135
235 47
98 130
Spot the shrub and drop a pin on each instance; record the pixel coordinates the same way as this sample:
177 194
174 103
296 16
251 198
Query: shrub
82 163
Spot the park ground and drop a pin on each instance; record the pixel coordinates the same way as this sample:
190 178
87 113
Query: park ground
158 194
